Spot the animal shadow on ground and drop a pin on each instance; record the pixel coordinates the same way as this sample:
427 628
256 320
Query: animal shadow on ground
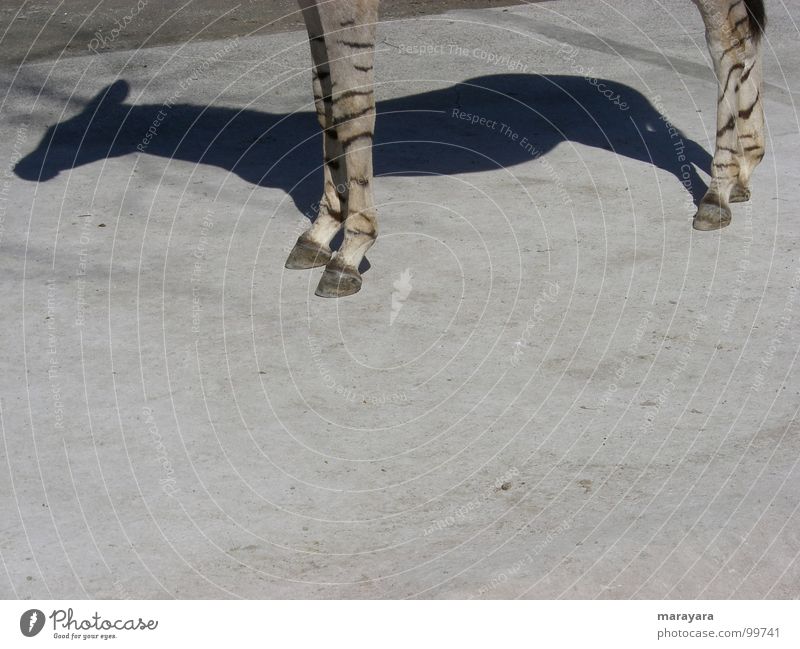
418 134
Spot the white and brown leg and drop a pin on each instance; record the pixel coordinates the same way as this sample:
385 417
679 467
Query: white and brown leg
733 44
350 27
749 120
313 246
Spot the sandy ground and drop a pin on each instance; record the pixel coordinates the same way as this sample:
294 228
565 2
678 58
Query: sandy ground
550 385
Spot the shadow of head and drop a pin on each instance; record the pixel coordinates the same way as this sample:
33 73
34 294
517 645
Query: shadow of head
481 124
78 140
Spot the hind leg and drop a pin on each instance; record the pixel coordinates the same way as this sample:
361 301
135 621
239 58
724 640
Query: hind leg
733 45
726 53
351 27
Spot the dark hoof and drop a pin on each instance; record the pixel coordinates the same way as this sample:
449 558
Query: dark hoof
739 194
711 216
307 254
338 280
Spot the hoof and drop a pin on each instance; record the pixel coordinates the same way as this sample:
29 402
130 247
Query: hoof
711 216
339 280
307 254
739 194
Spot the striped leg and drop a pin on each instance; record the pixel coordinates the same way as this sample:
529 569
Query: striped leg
749 120
349 27
313 247
732 36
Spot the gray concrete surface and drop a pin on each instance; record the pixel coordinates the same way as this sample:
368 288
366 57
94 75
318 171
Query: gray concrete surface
550 385
48 29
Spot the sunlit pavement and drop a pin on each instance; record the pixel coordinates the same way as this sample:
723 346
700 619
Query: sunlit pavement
549 385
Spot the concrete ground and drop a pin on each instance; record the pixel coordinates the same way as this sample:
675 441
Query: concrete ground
48 29
550 385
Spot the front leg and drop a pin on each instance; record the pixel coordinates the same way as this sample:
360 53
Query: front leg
313 247
350 28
